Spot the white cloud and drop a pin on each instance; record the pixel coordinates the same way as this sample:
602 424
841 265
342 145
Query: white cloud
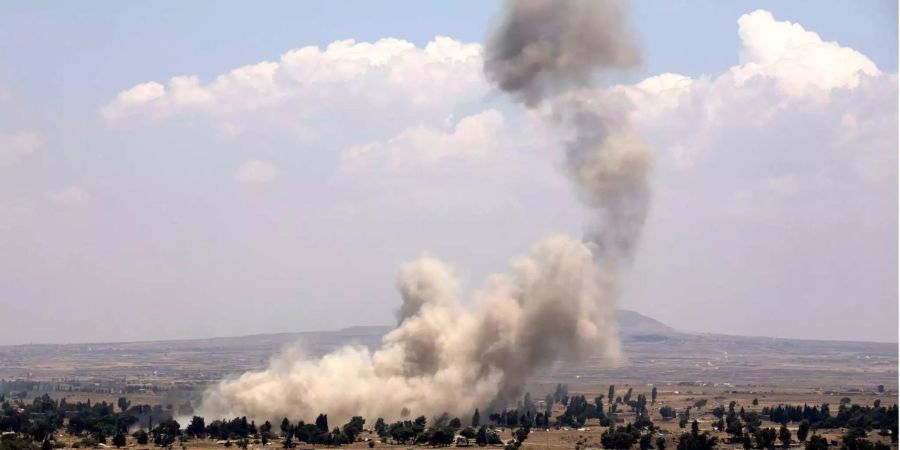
472 138
776 178
831 95
17 145
71 196
801 62
776 183
256 172
309 82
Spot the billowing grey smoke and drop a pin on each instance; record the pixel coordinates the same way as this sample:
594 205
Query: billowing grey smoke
546 53
558 303
443 357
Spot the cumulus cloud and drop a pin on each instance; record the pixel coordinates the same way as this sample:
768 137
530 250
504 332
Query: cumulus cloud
786 74
389 74
799 60
256 172
472 138
799 136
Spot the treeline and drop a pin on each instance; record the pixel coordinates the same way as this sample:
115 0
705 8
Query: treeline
847 416
746 427
37 422
97 423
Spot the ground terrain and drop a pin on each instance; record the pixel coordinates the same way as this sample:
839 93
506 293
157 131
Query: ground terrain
684 367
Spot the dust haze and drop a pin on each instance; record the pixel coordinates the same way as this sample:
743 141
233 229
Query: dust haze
450 355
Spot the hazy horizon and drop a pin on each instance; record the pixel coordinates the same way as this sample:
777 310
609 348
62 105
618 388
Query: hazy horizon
390 326
232 170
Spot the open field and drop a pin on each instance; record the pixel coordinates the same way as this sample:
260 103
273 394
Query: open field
589 436
654 354
684 367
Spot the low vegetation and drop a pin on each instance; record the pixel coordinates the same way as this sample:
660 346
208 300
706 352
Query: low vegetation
41 422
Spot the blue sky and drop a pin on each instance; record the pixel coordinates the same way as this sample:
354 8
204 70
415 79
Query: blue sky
65 54
234 210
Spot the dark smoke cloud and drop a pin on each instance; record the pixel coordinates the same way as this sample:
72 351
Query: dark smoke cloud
546 53
542 47
557 303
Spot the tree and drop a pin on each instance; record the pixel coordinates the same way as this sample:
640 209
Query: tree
468 433
288 441
667 412
611 394
455 423
511 418
653 396
380 427
123 404
322 422
46 445
476 418
817 443
855 439
119 440
734 427
755 402
286 426
784 435
803 430
142 437
645 441
520 435
166 432
196 428
765 438
695 427
353 428
619 437
700 441
660 443
481 437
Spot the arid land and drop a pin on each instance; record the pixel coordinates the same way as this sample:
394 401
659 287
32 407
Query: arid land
685 367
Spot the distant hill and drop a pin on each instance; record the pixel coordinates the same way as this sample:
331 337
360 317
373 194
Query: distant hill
633 324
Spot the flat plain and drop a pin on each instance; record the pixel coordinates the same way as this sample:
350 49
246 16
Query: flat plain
684 367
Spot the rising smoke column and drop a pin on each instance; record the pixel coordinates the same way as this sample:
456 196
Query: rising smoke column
546 53
557 303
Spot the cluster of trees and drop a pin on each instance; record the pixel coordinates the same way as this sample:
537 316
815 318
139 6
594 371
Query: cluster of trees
37 422
39 419
623 437
97 423
578 411
848 416
746 427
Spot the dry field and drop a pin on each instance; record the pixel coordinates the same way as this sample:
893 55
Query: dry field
589 436
684 367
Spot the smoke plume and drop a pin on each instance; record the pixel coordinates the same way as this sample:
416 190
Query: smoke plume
443 357
546 53
451 356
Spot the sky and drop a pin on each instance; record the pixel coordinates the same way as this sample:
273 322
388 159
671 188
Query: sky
181 170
